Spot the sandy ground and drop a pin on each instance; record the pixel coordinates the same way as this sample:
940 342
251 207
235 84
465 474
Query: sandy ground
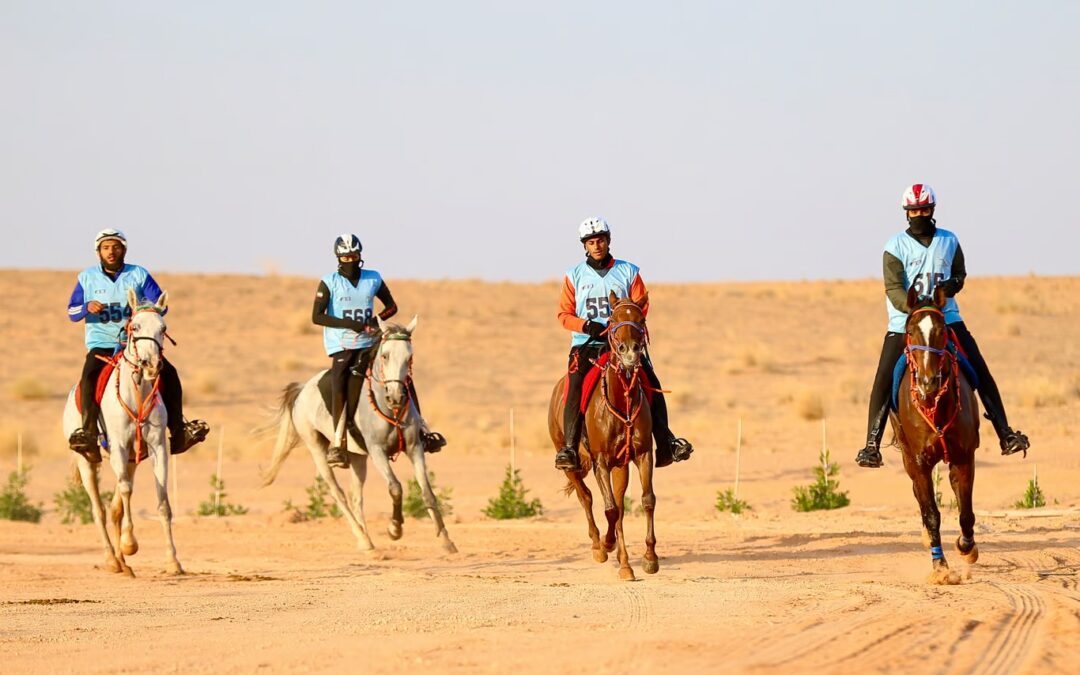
771 590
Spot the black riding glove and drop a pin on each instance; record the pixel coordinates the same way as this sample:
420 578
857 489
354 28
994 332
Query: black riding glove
594 329
951 286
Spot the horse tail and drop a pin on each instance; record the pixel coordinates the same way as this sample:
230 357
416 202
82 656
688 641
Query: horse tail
586 466
287 437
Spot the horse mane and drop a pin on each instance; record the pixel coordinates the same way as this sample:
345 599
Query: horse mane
393 329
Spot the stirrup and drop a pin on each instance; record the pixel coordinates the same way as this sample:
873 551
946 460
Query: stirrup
566 459
1013 442
85 445
869 457
681 449
337 457
194 432
432 441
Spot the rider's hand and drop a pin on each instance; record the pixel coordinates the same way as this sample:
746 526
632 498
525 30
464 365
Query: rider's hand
94 306
594 329
950 286
358 327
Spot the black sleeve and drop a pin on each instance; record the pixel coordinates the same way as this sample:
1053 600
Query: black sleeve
959 272
319 317
893 271
389 306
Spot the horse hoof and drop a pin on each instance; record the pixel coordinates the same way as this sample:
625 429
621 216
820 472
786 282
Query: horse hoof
114 565
650 566
971 556
394 530
129 572
626 574
943 576
365 546
599 555
129 546
448 547
175 569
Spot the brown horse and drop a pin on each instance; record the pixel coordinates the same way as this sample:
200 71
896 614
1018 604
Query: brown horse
618 430
937 421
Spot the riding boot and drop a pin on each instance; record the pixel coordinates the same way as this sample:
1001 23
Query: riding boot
432 441
1011 440
183 434
669 448
567 458
84 440
870 456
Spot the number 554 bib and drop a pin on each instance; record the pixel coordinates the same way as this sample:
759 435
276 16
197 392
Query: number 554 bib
591 290
103 328
924 268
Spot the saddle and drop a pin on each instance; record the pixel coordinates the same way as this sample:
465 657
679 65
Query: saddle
592 378
99 388
352 398
953 346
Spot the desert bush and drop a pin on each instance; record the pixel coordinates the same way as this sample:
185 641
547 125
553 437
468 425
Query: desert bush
29 389
511 502
318 505
216 505
823 493
1033 496
14 505
413 504
727 502
73 504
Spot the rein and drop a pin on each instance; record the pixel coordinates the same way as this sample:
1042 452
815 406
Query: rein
629 387
397 419
144 403
929 413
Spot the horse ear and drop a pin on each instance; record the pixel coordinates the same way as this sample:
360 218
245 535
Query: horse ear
613 299
133 300
412 324
644 300
382 324
162 302
912 299
939 297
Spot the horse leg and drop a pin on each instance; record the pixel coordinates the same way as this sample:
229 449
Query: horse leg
644 463
121 509
161 485
382 464
611 511
962 479
318 454
416 454
922 485
620 478
89 476
358 464
584 496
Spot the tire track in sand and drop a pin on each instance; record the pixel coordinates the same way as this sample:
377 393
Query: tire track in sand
1015 638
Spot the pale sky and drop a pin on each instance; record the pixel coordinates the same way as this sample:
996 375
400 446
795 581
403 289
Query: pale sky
722 140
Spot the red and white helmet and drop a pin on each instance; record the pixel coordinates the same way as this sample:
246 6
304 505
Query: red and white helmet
919 196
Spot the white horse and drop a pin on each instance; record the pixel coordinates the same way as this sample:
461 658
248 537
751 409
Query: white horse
386 418
134 416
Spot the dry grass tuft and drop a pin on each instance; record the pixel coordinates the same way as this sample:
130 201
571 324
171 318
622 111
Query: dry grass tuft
759 357
29 389
1012 328
9 441
1042 393
809 405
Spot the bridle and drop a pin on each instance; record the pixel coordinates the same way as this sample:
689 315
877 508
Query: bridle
630 386
144 404
949 371
398 414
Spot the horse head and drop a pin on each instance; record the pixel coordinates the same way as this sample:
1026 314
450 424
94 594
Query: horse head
145 332
393 361
927 338
626 331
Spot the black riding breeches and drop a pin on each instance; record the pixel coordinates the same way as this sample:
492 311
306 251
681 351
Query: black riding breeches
92 368
660 429
346 364
988 389
172 395
891 349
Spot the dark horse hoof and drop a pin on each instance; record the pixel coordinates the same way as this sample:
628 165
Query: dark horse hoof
869 457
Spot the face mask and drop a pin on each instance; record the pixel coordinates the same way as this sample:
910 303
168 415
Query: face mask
349 269
922 225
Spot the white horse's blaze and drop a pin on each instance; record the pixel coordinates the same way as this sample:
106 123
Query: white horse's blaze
925 325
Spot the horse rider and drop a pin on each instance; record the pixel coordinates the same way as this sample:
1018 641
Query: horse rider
584 309
345 308
926 256
100 298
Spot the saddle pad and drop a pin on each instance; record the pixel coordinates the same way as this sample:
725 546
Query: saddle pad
592 378
901 366
99 389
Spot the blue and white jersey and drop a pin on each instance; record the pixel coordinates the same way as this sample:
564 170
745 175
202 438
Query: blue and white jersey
350 302
103 329
591 291
924 268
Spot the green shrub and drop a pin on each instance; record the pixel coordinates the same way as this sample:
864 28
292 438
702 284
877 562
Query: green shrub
13 502
73 504
216 504
1033 497
318 505
822 493
414 506
511 500
727 501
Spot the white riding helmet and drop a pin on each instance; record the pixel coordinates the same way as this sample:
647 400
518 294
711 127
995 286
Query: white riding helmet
592 227
918 196
107 234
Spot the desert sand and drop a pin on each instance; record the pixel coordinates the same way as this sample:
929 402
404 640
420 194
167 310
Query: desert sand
770 590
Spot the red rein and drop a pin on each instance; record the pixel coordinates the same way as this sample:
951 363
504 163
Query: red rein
145 404
398 419
929 413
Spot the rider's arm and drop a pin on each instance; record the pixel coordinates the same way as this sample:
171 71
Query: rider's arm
568 308
893 271
76 307
319 317
389 306
955 283
151 291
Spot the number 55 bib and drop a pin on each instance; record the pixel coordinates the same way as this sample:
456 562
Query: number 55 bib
591 290
924 268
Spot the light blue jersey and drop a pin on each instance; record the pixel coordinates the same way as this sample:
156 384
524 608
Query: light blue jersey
350 302
924 268
103 329
591 291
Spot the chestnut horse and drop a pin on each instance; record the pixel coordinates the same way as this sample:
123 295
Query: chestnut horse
937 421
618 429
